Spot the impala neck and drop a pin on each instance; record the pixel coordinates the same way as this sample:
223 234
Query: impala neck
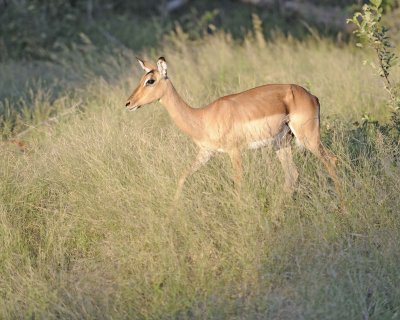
185 117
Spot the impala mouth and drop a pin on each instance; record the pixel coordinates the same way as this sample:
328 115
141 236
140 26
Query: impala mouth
134 108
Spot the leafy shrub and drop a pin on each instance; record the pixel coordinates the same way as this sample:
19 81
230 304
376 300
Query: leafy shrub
373 34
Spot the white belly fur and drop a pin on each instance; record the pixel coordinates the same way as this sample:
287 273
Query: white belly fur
261 143
256 134
269 141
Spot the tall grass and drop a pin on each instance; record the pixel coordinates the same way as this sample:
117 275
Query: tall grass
89 230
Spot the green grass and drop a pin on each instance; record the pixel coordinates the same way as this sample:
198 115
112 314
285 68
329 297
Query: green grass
88 228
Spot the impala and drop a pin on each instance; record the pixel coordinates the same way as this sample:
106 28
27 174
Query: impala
267 115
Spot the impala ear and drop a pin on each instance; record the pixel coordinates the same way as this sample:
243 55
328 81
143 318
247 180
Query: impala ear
142 64
162 67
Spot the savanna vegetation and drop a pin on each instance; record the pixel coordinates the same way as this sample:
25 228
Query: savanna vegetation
88 228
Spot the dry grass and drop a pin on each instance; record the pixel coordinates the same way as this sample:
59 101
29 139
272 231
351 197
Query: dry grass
88 228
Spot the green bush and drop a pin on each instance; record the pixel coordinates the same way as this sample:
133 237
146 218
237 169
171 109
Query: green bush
373 34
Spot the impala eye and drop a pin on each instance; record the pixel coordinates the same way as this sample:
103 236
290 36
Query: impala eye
150 81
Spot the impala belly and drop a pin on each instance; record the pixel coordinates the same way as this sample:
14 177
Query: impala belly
274 141
261 143
253 134
263 132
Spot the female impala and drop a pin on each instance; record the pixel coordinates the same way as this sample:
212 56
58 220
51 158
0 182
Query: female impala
265 115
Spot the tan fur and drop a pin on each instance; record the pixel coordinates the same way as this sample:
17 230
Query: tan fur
264 115
15 142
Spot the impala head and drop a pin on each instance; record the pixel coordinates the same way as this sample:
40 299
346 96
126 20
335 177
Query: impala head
151 86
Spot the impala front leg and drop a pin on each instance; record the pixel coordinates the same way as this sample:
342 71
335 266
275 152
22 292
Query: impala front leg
236 159
201 159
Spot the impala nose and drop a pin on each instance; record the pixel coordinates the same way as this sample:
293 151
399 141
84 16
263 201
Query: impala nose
127 104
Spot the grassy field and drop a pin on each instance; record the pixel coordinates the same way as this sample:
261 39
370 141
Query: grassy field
88 228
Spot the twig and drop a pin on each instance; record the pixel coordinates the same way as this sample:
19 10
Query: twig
48 121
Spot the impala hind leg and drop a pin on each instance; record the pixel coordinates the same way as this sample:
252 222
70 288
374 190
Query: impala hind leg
289 168
329 160
201 159
307 134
